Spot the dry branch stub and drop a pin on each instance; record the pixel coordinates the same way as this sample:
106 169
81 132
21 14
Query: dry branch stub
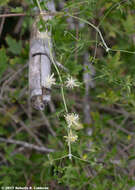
39 67
40 62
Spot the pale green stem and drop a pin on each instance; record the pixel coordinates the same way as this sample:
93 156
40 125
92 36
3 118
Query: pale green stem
69 145
60 158
81 159
57 70
96 28
101 36
114 6
63 97
39 6
122 50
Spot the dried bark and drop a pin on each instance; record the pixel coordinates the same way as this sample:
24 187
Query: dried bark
40 63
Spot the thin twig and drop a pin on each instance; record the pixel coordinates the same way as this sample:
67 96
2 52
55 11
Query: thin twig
12 78
17 120
27 145
113 124
61 66
47 124
1 25
112 110
18 25
26 14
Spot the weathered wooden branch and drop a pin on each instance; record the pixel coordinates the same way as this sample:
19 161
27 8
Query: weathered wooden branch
25 14
40 63
26 145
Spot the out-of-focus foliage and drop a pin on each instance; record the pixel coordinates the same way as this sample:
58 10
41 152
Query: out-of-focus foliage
109 150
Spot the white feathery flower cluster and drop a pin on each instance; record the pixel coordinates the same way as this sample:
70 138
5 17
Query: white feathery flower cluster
71 137
71 82
72 119
49 81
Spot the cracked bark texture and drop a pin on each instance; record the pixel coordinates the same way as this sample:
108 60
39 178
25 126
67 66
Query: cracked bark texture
40 63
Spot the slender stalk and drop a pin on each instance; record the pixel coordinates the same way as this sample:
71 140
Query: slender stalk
57 70
69 145
26 145
25 14
95 27
60 158
39 6
121 50
101 36
63 97
107 13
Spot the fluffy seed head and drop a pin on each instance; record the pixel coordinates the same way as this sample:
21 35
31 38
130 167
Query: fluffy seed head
71 83
72 119
49 81
71 137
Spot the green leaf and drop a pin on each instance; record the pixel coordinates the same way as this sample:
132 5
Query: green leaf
20 157
3 61
6 181
129 24
14 46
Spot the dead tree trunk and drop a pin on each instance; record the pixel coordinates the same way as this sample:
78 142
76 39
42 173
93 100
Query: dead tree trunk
40 63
